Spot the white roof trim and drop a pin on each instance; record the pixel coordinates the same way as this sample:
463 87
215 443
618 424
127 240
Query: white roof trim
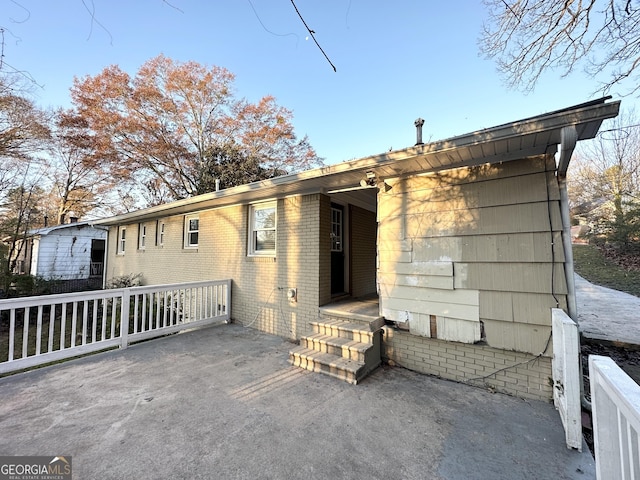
528 137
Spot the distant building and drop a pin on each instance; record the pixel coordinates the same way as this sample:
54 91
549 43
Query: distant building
74 251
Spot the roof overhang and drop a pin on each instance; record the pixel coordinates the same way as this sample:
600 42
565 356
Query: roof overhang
47 230
512 141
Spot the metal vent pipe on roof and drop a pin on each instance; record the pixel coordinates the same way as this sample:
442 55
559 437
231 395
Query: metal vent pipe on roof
419 123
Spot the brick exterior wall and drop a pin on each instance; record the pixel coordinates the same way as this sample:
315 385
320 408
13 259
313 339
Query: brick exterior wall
303 263
363 251
520 374
260 284
324 251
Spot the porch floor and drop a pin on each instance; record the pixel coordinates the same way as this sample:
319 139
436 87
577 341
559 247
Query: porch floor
223 402
362 306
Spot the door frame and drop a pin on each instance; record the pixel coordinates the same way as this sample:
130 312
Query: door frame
344 209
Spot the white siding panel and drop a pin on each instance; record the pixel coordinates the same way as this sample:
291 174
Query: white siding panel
462 297
400 316
66 254
436 268
422 281
457 330
452 310
420 325
34 256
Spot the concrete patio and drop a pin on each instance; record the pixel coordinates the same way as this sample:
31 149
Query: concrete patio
223 402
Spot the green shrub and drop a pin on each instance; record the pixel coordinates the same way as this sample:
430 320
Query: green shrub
125 281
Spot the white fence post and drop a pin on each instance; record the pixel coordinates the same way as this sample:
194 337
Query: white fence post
566 376
615 401
124 318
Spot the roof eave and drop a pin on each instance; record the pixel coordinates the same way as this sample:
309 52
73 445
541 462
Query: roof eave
543 132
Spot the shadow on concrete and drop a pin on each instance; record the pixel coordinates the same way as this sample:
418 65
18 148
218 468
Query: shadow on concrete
223 402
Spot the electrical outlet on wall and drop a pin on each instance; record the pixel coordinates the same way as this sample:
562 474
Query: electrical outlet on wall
292 294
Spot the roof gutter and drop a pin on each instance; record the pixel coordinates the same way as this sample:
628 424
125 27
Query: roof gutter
461 151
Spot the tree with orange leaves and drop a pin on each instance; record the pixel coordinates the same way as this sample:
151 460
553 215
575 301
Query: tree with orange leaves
174 125
80 180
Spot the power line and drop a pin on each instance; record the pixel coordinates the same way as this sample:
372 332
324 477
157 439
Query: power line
311 32
266 29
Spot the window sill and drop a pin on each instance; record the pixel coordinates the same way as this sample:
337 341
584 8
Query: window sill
261 258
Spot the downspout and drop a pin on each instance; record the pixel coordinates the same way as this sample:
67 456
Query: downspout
568 140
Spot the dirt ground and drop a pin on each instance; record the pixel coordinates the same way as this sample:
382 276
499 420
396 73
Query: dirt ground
626 356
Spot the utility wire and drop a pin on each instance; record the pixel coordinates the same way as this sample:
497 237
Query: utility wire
1 47
311 32
509 367
265 27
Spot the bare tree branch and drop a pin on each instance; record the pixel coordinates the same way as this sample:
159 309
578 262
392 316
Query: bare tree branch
530 37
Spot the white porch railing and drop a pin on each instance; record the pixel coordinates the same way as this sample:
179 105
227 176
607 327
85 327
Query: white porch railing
615 400
38 330
566 376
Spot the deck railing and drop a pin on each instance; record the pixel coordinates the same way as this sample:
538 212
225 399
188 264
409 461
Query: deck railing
615 400
95 269
566 376
43 329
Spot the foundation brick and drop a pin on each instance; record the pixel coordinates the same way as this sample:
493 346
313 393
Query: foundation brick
529 380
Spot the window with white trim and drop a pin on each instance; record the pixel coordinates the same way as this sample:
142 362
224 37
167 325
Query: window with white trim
160 233
122 235
191 231
262 229
142 236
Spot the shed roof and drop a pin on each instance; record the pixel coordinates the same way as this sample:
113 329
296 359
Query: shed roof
56 228
510 141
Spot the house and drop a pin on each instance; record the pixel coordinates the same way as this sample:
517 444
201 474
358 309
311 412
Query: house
72 251
465 244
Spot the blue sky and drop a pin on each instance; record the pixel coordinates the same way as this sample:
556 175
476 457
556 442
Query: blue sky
396 61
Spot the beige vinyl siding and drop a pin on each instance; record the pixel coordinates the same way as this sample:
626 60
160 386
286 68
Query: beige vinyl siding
260 284
505 247
501 219
486 237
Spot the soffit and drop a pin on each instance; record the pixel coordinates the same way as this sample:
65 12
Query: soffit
520 139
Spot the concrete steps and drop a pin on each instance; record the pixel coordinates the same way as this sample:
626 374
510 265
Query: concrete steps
340 348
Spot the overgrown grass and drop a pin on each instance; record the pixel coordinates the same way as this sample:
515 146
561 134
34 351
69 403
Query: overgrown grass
593 266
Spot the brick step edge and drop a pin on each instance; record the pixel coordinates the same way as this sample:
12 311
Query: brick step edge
344 329
342 368
337 342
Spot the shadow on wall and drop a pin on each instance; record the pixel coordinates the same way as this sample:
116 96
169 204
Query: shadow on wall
468 254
